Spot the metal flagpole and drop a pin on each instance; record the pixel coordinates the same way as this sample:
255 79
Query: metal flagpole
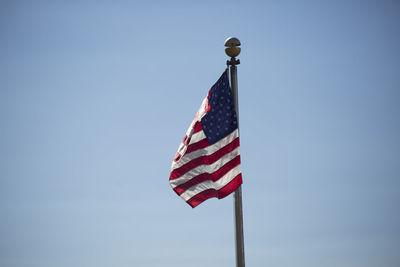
233 50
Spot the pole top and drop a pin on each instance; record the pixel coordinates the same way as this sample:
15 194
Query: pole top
232 50
232 41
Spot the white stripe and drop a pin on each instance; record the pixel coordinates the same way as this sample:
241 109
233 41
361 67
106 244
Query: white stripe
205 168
198 188
197 137
205 151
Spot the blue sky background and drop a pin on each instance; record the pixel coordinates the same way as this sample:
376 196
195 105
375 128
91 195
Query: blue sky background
95 98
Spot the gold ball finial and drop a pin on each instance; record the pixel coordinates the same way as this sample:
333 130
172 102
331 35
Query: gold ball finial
232 49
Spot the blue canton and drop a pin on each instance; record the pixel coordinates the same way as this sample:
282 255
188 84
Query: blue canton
221 119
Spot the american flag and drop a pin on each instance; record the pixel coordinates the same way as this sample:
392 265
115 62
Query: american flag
207 163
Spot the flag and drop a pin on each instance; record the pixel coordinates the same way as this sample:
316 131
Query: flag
207 163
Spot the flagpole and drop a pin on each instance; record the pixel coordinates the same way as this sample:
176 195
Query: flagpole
233 50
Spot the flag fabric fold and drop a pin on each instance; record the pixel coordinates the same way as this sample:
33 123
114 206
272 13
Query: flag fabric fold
207 163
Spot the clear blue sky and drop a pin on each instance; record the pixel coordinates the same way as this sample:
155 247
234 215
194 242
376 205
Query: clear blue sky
95 98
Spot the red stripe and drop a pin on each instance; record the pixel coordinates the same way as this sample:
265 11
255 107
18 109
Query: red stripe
232 186
198 145
209 193
206 176
186 140
197 199
177 156
204 160
197 127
